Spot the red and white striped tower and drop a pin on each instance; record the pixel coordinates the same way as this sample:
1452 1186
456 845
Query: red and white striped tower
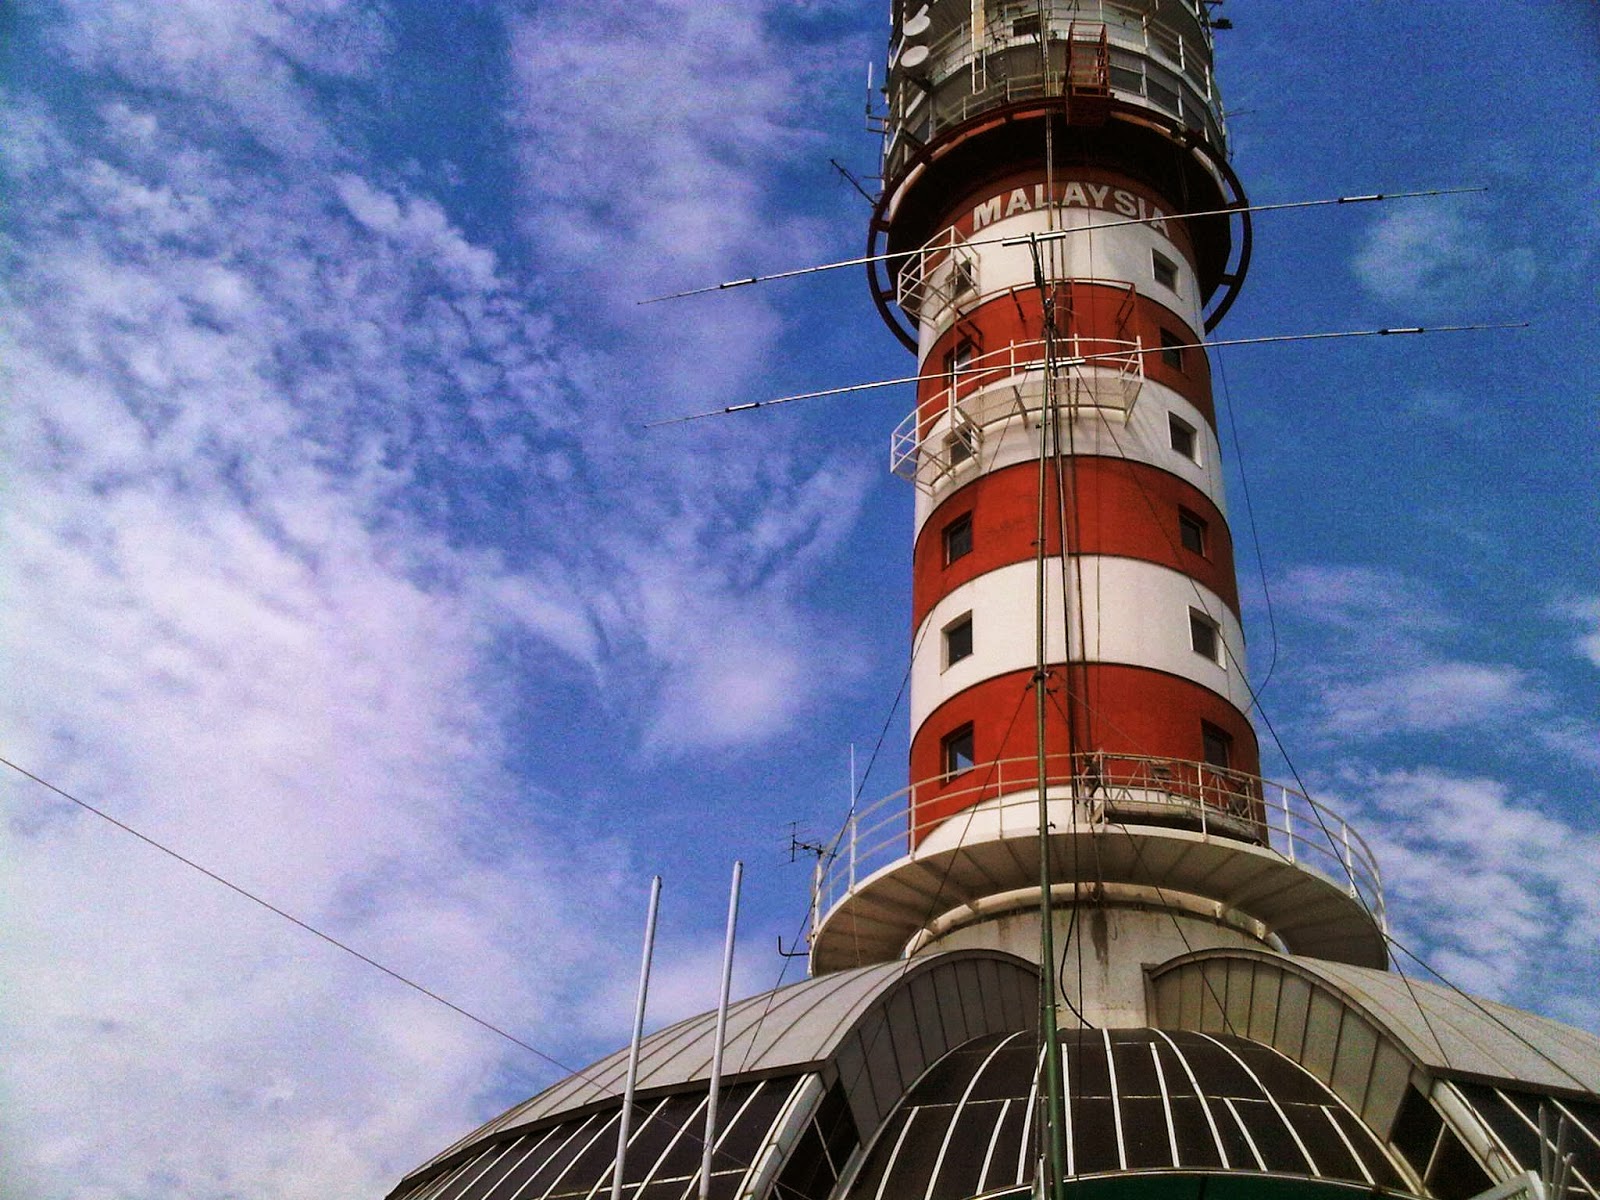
1038 156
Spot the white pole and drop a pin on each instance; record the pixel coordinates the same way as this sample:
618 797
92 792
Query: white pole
638 1036
722 1029
852 811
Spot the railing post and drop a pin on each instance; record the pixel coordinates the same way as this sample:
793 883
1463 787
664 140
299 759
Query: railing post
853 822
1349 867
1288 821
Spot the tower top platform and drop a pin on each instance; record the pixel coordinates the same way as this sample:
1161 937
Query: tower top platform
1258 856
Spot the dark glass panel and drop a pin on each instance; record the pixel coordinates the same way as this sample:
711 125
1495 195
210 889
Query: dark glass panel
1332 1156
465 1181
946 1082
486 1184
1144 1132
1272 1137
592 1163
652 1134
1456 1174
1215 1068
1009 1074
537 1172
837 1125
686 1153
1007 1147
1136 1071
1522 1141
1283 1079
1416 1129
742 1142
1240 1157
1094 1134
871 1174
806 1175
662 1188
914 1165
1384 1172
1196 1146
969 1142
1177 1078
1087 1072
454 1179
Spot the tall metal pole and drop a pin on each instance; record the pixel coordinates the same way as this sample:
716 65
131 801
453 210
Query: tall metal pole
638 1036
1053 1124
722 1029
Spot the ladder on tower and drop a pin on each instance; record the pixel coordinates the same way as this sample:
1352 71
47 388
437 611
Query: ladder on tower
1088 74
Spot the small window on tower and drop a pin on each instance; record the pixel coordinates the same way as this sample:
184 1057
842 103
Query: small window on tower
958 640
1191 531
958 751
1172 349
1166 271
1183 437
1205 635
956 362
963 276
961 445
1218 746
958 538
1025 26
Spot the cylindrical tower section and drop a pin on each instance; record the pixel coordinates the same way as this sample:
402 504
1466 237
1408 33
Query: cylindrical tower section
1040 164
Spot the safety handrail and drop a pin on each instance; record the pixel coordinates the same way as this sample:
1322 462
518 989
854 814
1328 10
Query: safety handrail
1111 378
1114 790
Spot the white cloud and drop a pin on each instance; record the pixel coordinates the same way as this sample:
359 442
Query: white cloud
1387 661
1482 880
1438 255
1585 612
291 457
1431 697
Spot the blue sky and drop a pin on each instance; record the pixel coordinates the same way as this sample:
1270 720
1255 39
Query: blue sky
336 558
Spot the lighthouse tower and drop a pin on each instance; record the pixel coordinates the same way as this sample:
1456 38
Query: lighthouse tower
1089 951
1075 611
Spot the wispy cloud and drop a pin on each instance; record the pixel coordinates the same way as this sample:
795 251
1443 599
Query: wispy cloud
1441 256
1585 613
1482 881
1388 659
293 457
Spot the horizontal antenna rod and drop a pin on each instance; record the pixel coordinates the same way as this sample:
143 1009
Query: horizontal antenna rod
1079 360
1012 241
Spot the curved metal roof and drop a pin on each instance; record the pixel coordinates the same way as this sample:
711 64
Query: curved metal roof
1438 1028
903 1015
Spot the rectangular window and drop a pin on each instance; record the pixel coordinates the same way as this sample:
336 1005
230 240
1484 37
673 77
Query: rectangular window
963 276
958 538
958 640
1183 437
956 361
1026 26
1166 271
1172 349
1205 636
961 445
958 751
1218 746
1191 531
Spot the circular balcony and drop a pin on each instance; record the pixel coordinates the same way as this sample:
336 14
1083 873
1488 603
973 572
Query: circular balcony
1177 834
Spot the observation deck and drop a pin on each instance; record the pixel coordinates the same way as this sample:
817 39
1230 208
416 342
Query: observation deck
962 60
1162 833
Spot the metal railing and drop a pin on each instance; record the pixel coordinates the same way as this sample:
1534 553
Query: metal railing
947 429
1111 791
1152 63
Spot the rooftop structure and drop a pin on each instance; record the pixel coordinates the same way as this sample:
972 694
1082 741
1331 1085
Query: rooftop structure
1089 948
